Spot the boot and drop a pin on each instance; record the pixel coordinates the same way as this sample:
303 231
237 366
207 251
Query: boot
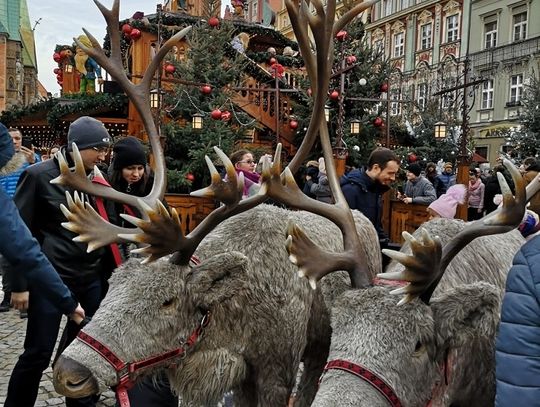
5 305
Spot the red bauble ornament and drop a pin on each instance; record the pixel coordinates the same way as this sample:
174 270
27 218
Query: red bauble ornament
206 89
334 95
384 87
226 116
272 61
378 122
293 124
170 68
412 158
135 34
190 177
309 92
340 36
57 57
59 77
57 71
351 59
213 22
216 114
126 29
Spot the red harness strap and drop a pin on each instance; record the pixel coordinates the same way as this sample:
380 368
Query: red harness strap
375 381
125 371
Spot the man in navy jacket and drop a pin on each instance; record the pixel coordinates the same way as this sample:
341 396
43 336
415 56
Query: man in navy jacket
21 250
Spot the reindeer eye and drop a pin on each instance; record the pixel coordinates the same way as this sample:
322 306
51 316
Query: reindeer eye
418 347
168 303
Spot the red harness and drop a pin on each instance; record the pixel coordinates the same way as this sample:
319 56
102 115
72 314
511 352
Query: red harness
125 371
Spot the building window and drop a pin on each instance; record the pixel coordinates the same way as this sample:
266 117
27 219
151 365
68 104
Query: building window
378 46
516 88
425 36
452 28
399 44
487 94
520 26
490 30
421 95
395 107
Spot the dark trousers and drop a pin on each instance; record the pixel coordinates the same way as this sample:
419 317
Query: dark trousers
41 334
147 394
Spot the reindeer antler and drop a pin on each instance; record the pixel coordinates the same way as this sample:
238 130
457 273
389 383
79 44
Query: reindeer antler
426 266
139 96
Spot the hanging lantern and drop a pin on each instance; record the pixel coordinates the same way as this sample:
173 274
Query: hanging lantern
355 126
197 121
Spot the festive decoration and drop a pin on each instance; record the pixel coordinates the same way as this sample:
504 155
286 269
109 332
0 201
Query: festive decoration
216 114
384 87
412 158
190 177
293 124
57 71
277 70
351 59
126 29
272 61
334 95
213 22
226 116
341 35
135 34
206 89
170 68
57 57
378 122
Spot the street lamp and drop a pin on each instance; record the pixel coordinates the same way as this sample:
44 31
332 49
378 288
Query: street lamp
197 121
440 131
355 126
155 98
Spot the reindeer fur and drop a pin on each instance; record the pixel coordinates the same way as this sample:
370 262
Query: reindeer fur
407 344
264 317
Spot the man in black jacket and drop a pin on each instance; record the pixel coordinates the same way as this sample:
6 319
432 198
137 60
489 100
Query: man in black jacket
84 273
363 189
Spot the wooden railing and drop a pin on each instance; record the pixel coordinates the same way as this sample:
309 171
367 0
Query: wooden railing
405 217
191 209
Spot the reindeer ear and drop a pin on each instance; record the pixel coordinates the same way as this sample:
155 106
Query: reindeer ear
218 278
466 312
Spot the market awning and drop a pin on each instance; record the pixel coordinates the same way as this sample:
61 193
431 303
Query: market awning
478 158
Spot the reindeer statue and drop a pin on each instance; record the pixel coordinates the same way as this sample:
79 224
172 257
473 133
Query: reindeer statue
258 317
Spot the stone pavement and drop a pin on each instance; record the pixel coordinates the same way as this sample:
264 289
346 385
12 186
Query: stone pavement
12 329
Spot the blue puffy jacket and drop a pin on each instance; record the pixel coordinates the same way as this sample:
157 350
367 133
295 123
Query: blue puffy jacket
21 250
518 341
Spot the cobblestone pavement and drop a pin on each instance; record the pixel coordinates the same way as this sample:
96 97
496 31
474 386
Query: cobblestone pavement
12 329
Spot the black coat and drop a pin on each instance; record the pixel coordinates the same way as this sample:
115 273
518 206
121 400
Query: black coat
39 203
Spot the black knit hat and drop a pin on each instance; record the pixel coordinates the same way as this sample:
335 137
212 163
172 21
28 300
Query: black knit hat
88 132
415 169
128 151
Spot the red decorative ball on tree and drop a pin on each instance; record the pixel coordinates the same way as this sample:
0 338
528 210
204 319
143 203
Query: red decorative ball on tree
226 116
411 158
384 87
351 59
216 114
309 92
213 22
340 36
272 61
57 57
378 122
126 29
57 71
334 95
293 124
170 68
135 34
206 89
190 177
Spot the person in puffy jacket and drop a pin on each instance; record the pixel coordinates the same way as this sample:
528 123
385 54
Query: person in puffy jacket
517 351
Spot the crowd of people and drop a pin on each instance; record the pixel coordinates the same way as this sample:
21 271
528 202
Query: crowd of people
48 274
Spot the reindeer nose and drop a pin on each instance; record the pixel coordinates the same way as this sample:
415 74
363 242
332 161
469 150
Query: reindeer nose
72 379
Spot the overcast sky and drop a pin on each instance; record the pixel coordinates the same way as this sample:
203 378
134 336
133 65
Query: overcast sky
61 20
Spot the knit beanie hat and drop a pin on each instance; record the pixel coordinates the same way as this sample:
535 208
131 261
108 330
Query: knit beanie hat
7 150
87 133
415 169
446 204
128 151
448 165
